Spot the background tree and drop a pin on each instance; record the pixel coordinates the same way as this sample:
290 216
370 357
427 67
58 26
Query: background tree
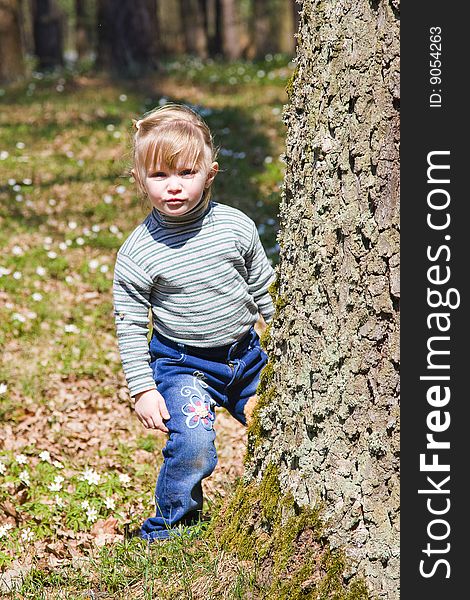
326 425
11 48
83 31
128 36
231 39
48 33
194 22
268 16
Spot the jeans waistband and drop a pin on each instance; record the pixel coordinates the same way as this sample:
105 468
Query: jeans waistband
215 352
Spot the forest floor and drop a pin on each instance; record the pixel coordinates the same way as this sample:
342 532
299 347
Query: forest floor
76 466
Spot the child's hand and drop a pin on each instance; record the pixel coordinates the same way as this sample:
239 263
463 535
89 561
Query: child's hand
151 410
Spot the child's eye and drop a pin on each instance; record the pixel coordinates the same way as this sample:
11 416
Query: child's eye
158 174
187 172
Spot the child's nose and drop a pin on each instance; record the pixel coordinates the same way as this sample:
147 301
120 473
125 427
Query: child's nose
174 183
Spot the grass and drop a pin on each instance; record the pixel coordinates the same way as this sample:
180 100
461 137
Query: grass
66 205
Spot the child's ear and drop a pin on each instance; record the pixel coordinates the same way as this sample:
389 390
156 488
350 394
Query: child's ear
212 173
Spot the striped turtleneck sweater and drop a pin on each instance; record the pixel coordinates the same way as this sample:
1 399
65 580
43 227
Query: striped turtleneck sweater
204 276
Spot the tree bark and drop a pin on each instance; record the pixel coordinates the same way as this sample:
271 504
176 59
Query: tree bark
194 27
328 417
127 36
267 25
48 32
215 32
82 30
11 48
232 47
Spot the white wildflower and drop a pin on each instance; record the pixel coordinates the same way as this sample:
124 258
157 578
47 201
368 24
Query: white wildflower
21 459
40 271
91 514
45 456
17 250
17 275
2 468
20 145
85 504
96 228
3 388
80 241
117 134
123 97
4 529
68 242
24 476
4 155
63 246
114 229
36 296
19 197
27 181
11 182
93 263
27 535
110 503
57 485
91 476
52 254
69 154
124 478
17 317
107 199
59 501
57 464
71 328
110 127
104 268
4 271
52 201
72 225
121 189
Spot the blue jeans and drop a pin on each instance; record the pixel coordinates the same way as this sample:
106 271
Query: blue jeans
193 381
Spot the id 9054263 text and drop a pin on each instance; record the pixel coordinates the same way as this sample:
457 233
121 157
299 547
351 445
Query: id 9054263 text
435 64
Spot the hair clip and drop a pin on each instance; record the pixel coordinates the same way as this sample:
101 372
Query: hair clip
137 124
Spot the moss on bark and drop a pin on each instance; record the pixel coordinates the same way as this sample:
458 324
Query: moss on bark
260 523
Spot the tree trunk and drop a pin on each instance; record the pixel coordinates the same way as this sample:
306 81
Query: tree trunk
82 29
232 47
327 419
214 26
295 7
127 36
48 32
194 27
11 48
267 26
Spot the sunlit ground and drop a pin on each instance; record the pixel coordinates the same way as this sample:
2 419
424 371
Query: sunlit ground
76 467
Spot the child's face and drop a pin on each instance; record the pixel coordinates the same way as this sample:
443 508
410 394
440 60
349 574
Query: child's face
176 191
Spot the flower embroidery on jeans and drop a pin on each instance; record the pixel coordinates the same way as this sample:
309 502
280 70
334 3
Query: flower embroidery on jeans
198 409
200 375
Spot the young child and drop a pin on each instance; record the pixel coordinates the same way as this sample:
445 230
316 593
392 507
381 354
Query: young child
200 268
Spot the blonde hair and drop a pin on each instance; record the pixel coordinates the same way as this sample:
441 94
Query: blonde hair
171 135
